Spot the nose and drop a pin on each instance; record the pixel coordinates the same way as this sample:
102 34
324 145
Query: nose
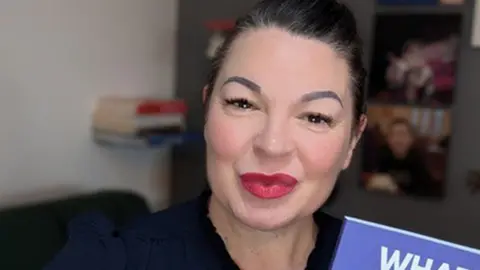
274 139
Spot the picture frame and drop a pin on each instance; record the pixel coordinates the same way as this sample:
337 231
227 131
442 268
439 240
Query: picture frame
475 35
407 2
418 65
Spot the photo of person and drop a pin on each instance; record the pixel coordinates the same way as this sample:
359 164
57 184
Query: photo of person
406 150
417 64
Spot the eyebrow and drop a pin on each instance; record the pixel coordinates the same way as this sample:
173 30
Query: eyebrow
323 94
245 82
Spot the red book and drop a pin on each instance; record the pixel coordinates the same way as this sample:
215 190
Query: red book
161 106
129 107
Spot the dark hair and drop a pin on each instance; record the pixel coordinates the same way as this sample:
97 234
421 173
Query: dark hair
325 20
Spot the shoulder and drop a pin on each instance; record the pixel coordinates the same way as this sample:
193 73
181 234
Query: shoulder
92 244
95 243
175 221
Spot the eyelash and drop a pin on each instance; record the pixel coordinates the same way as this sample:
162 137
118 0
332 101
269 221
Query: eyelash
317 119
239 103
313 118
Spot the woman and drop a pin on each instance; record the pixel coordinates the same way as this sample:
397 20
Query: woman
284 111
402 161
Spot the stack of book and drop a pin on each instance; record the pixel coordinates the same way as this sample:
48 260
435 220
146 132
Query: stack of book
139 121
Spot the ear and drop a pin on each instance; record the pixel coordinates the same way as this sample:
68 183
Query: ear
205 132
356 136
204 94
204 101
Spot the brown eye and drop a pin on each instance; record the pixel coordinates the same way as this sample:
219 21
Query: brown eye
239 103
318 119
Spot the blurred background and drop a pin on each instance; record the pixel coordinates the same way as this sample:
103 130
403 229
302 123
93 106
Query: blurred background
57 57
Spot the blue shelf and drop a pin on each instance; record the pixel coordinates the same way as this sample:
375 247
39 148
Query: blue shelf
148 142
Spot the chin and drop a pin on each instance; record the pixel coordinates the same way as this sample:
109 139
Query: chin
264 219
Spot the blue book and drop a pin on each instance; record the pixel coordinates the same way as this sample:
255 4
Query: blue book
407 2
365 245
147 141
175 139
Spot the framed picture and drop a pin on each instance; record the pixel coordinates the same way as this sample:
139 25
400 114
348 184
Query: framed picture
406 150
407 2
476 25
417 64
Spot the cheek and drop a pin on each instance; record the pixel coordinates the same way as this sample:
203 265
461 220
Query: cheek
323 155
226 137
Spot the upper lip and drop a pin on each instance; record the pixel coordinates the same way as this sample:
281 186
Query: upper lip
277 178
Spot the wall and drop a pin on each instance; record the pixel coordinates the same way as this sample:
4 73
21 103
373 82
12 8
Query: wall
56 58
456 218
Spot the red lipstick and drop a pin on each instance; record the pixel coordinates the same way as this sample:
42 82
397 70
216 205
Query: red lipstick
266 186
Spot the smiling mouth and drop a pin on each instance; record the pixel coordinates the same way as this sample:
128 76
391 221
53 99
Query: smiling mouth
265 186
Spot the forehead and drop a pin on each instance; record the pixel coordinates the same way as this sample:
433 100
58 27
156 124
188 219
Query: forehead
282 63
400 127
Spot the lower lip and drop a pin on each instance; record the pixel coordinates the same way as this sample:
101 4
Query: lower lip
268 186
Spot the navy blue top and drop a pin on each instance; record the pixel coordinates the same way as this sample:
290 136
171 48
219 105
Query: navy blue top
179 238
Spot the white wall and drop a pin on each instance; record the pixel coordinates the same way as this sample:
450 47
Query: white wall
56 58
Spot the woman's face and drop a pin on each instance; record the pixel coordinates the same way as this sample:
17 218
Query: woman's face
400 139
278 128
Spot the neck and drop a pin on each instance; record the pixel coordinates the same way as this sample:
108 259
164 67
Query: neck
285 248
